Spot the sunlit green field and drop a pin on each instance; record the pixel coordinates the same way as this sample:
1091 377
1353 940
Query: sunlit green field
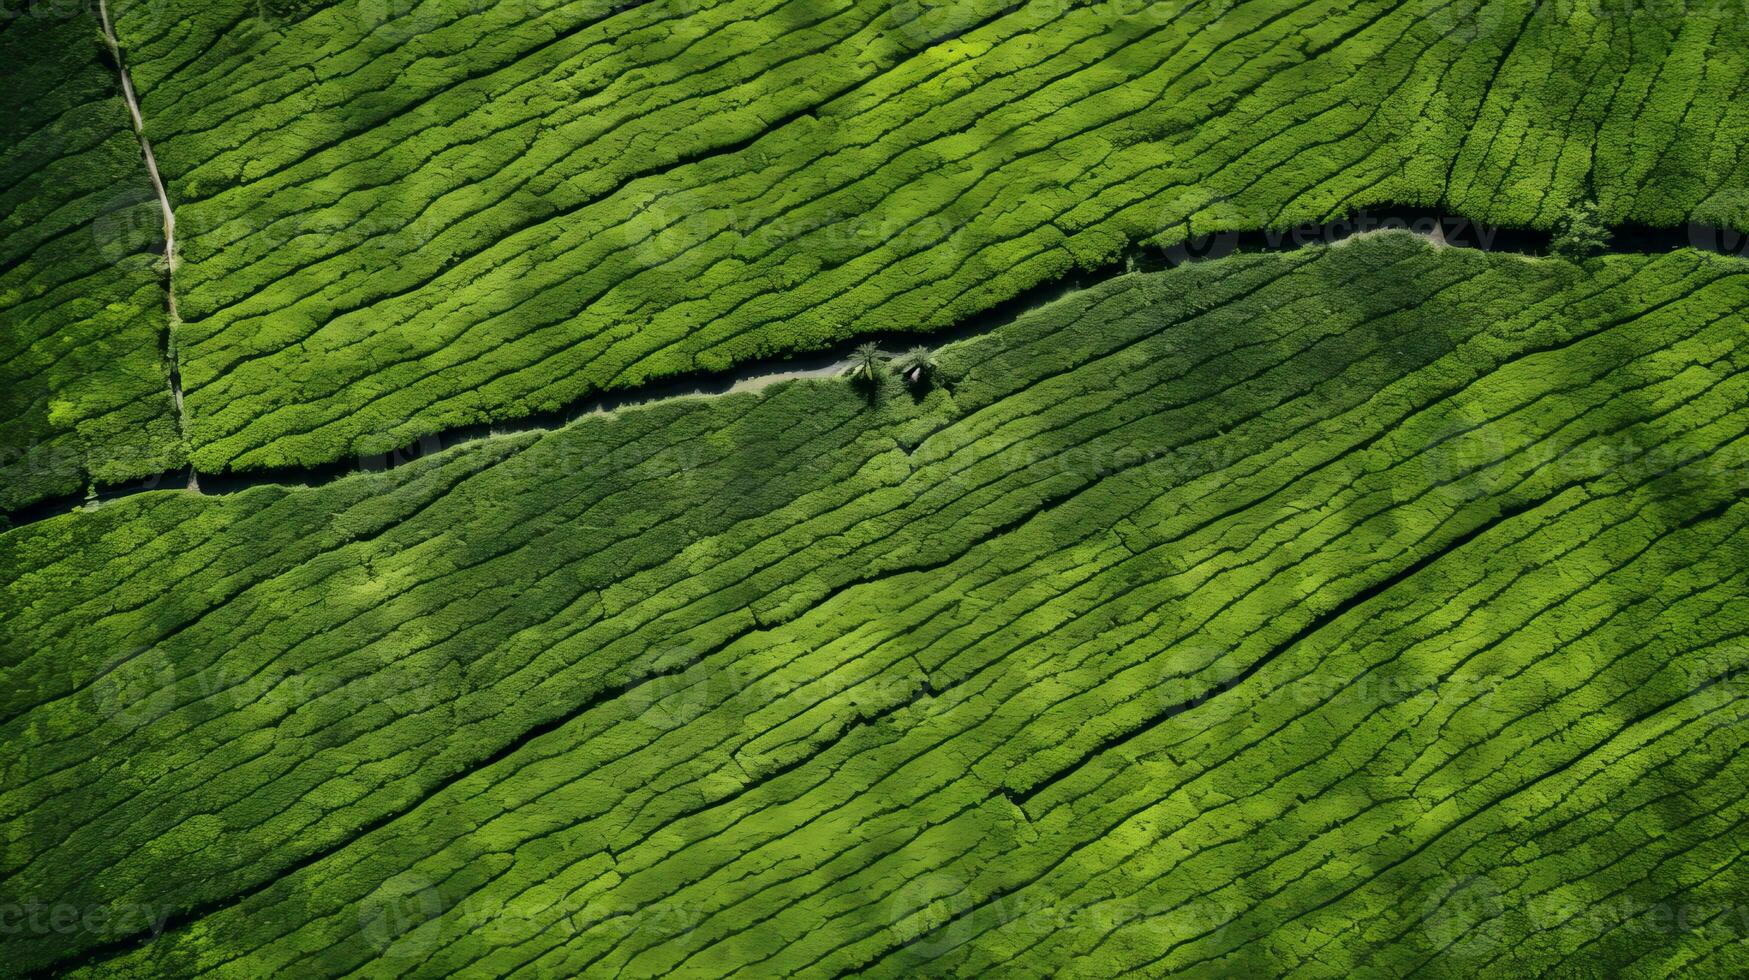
1372 607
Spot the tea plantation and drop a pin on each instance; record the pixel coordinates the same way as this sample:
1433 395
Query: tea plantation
84 387
1375 607
401 217
474 545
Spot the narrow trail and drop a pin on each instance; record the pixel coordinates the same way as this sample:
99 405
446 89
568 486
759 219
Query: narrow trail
1442 229
128 95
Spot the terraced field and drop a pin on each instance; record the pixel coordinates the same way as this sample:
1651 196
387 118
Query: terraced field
1367 609
397 218
84 386
447 527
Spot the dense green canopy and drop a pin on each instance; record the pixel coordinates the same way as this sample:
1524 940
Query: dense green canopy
401 217
1366 609
1244 616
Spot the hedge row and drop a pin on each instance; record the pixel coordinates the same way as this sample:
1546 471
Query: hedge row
84 389
400 218
1370 607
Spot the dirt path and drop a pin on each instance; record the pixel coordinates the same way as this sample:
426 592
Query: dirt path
168 215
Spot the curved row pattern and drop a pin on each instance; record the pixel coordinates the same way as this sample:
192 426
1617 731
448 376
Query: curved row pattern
1369 606
399 218
84 383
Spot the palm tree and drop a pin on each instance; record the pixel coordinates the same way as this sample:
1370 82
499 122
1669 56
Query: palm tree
866 362
916 364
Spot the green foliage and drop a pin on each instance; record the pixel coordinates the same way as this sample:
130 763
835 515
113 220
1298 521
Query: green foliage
867 363
84 393
1580 233
403 217
1344 611
916 365
1365 611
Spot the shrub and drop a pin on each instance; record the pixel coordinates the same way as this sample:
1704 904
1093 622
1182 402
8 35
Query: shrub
1580 233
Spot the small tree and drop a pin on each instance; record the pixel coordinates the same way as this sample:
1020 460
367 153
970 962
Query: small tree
866 363
915 364
1580 233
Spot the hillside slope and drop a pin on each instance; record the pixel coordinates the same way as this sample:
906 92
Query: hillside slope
399 218
84 385
1355 610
